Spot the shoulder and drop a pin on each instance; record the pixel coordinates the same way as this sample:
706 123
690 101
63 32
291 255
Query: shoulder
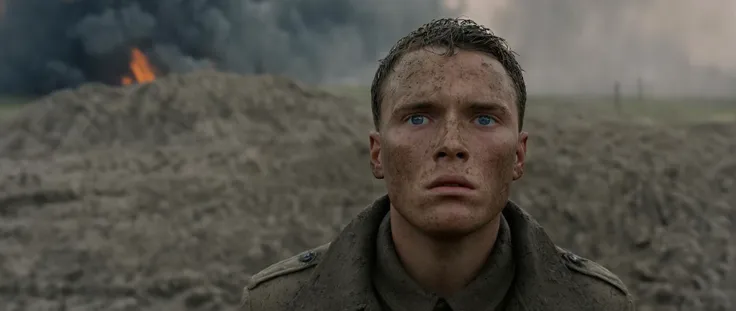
598 282
273 287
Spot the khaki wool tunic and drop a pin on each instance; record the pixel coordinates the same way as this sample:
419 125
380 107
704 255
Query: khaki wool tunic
397 291
344 275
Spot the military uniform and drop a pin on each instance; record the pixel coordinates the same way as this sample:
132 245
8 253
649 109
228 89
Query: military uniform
358 271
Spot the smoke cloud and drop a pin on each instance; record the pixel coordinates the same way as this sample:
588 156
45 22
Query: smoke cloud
674 47
53 44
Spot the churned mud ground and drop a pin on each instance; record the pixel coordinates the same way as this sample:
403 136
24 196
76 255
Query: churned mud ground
168 195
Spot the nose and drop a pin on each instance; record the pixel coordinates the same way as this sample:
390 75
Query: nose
451 145
452 154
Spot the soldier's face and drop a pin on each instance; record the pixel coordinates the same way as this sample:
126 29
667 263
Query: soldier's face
448 146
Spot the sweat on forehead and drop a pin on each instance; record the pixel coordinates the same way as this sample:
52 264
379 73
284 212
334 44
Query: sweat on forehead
427 69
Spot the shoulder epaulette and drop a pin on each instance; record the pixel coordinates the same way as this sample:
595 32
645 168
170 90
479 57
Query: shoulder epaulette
591 269
288 266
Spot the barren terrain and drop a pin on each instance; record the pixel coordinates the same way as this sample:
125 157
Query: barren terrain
168 195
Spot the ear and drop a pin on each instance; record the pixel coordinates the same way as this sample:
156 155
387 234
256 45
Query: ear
520 155
375 144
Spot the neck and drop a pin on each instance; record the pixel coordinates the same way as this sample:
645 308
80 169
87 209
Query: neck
443 266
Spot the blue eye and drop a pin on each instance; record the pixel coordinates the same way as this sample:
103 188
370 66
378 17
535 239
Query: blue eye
417 120
485 120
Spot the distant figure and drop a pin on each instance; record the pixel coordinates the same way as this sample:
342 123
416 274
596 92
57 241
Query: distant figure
617 96
639 89
448 106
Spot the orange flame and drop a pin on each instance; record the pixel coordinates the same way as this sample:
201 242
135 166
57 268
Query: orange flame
141 68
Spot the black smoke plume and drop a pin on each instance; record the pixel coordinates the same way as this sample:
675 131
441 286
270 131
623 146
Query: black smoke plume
51 44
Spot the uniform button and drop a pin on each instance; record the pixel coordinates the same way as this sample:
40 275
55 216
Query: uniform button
573 258
307 257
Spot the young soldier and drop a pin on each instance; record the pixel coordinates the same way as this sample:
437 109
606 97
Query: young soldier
448 106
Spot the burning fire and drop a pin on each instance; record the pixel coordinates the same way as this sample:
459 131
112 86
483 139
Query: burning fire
140 67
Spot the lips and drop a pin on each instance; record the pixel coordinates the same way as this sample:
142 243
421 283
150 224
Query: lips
452 182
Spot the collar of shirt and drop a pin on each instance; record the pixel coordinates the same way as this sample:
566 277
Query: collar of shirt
398 291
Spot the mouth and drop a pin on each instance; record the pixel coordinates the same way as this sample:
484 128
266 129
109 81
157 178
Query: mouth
457 182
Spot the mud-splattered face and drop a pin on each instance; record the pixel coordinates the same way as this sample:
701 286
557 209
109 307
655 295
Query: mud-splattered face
449 146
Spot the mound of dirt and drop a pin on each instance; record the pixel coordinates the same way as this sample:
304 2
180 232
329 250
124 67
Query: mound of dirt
167 196
656 205
180 110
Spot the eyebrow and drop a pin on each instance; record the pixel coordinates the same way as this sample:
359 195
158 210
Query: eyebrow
414 107
490 106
